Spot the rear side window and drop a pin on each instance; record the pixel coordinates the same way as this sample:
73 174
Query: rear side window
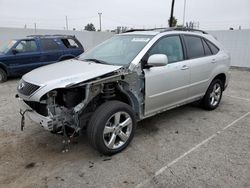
194 47
70 43
213 48
48 45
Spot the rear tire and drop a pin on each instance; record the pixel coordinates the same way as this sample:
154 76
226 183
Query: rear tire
111 127
213 96
3 76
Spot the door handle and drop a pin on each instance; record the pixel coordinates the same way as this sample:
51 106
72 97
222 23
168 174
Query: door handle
213 61
184 67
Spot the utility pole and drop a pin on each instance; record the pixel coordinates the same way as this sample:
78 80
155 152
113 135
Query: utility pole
184 14
35 27
171 15
67 26
100 20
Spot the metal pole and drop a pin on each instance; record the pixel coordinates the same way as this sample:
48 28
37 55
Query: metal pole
184 13
100 20
67 25
171 15
35 27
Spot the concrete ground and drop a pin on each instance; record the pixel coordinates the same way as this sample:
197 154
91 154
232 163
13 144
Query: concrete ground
184 147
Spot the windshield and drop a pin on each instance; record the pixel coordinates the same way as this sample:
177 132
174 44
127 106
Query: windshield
119 50
4 48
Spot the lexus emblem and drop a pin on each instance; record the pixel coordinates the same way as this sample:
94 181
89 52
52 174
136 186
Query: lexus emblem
21 86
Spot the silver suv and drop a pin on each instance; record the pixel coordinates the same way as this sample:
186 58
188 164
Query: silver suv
128 78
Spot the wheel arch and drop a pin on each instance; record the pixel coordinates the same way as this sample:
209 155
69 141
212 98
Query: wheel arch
2 66
122 95
222 77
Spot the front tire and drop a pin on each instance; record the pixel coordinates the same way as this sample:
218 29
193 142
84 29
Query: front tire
213 96
111 127
3 76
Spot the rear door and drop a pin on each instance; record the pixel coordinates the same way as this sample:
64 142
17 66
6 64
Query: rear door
166 86
50 50
25 58
201 62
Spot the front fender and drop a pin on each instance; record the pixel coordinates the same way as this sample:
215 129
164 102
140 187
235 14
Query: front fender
4 67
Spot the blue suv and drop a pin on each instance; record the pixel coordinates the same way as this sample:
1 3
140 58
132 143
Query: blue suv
20 56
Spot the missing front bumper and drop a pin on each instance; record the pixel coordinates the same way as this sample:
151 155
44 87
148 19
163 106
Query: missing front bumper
45 122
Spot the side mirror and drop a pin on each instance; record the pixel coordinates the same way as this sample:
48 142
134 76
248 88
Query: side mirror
14 51
157 60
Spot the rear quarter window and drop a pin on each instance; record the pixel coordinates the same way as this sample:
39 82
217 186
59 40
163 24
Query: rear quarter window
70 43
194 46
206 48
49 45
213 48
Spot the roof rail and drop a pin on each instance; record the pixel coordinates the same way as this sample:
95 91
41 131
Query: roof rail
55 35
168 29
187 29
153 29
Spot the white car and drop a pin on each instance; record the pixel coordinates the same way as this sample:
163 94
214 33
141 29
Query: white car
129 77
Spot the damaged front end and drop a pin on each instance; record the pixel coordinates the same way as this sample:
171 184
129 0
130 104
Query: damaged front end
67 110
59 109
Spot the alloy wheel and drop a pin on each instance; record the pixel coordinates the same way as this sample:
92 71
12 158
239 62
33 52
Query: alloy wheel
215 95
117 130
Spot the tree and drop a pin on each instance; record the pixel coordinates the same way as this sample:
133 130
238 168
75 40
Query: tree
174 23
90 27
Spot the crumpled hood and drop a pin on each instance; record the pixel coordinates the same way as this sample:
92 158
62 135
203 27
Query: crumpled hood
68 72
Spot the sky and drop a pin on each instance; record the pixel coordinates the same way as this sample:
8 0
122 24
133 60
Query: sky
51 14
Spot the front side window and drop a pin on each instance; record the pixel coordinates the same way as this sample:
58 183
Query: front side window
194 47
170 46
49 45
119 50
26 46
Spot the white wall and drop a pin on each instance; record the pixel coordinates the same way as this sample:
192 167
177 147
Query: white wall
87 38
237 42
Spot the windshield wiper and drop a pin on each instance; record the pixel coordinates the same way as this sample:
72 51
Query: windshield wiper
96 60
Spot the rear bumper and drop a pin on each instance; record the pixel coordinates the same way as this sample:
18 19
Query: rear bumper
45 122
228 76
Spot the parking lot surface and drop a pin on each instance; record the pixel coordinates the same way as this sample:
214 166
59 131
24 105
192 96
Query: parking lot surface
184 147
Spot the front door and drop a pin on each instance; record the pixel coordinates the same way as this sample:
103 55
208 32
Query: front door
166 86
25 58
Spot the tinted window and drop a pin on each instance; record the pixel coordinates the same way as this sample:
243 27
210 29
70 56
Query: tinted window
48 44
26 46
170 46
206 48
70 43
194 47
213 48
